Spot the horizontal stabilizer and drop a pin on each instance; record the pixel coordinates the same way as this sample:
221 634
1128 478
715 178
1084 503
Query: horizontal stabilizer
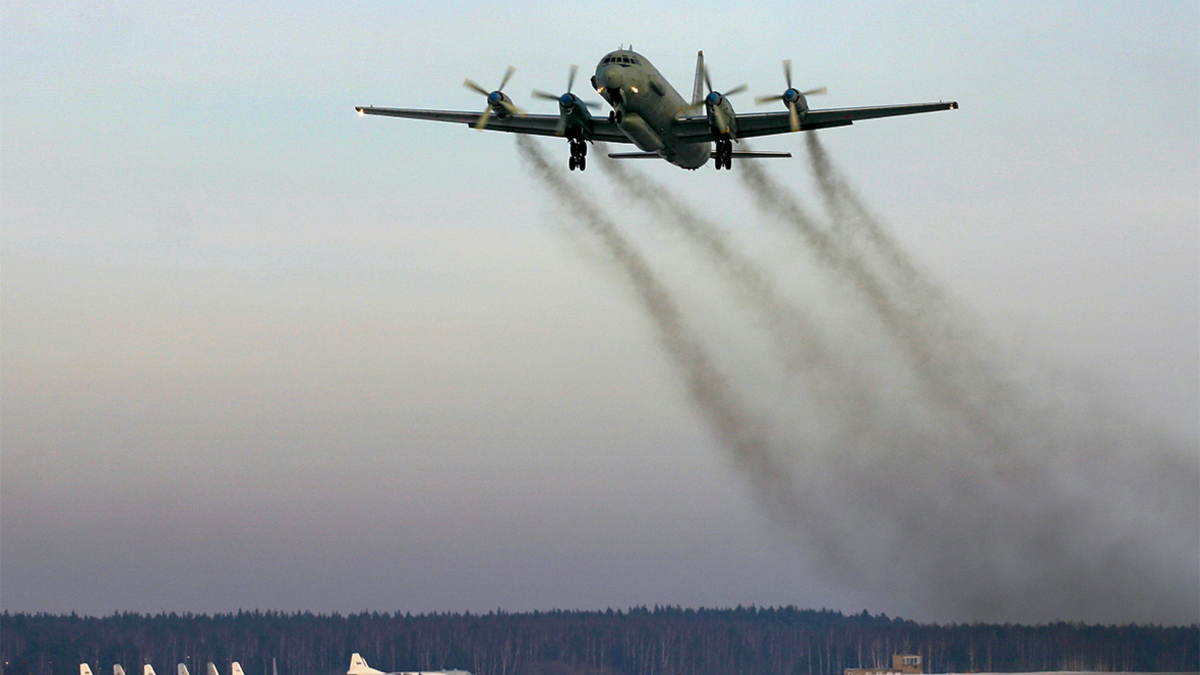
755 154
740 154
635 155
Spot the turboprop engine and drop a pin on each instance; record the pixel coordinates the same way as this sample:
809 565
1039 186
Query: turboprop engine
574 120
497 101
795 100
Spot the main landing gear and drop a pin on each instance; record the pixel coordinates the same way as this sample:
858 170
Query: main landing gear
578 154
724 159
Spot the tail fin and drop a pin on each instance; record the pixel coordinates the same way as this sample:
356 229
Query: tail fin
147 669
85 669
235 668
181 669
118 669
698 87
274 667
210 669
358 666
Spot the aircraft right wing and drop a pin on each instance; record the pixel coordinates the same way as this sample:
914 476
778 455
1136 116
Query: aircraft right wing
749 125
537 125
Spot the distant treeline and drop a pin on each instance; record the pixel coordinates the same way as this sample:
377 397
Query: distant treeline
659 641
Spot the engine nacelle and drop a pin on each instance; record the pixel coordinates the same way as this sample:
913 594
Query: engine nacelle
794 97
501 104
721 117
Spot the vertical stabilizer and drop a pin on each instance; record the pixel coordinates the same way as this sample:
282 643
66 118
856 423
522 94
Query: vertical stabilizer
235 668
274 667
210 669
181 669
358 666
698 87
118 669
85 669
147 669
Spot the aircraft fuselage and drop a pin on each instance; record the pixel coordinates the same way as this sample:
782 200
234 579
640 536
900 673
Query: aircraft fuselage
646 106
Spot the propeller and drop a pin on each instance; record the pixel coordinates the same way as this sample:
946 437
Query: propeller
793 99
566 102
495 99
713 101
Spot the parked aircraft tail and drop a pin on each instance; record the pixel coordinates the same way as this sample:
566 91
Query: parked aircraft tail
235 668
358 666
181 669
85 669
118 669
147 669
210 669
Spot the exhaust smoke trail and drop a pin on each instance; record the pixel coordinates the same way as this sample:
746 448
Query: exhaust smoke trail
1015 505
968 356
796 333
905 328
708 388
1005 516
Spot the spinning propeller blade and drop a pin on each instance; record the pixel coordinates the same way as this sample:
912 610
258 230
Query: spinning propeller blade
494 99
791 97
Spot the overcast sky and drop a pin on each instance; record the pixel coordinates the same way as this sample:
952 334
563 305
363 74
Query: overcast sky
259 352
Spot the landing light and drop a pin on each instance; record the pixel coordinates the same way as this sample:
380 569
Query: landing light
360 112
600 90
633 89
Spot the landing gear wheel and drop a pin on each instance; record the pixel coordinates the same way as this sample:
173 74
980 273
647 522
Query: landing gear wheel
724 152
578 154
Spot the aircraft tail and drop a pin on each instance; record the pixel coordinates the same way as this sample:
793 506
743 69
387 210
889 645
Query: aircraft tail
147 669
118 669
235 668
85 669
210 669
181 669
698 86
358 666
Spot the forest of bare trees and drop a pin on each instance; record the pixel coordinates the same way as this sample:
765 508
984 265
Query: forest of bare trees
641 641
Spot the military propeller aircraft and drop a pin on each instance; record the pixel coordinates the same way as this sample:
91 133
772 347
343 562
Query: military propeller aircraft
650 114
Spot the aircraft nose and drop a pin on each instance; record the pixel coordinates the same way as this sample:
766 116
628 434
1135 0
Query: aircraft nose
611 78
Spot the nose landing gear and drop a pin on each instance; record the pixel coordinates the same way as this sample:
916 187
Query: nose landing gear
578 154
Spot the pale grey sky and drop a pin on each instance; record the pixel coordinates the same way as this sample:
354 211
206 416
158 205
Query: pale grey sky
259 352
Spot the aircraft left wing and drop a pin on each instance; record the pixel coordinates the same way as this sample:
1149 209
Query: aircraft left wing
749 125
537 125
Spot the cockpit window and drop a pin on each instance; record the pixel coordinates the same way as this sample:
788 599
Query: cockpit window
622 60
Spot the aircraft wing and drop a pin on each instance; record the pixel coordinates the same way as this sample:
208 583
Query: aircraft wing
749 125
536 125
